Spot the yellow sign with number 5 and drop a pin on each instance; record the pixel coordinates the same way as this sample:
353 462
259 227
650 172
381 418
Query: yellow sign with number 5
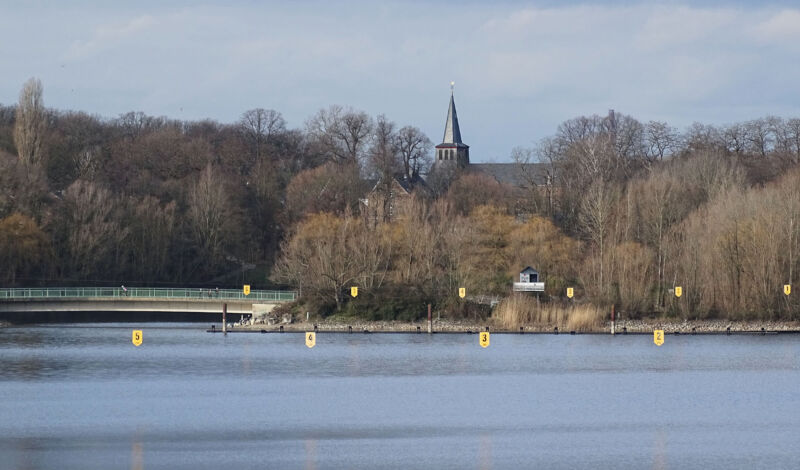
136 337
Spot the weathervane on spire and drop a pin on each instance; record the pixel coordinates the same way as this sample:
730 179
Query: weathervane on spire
452 84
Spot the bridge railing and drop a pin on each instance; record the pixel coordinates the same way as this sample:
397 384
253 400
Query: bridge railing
144 292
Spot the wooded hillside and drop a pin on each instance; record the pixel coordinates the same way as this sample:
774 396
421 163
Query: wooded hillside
631 210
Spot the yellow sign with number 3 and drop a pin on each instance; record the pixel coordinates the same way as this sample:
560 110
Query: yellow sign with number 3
484 339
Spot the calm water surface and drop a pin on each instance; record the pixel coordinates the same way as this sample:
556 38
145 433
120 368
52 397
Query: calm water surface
83 397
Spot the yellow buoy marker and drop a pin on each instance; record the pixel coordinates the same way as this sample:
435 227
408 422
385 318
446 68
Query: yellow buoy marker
658 337
462 292
311 339
787 289
570 292
354 291
246 289
484 339
678 291
136 337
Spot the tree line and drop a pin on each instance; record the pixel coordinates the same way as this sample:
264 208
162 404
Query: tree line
623 211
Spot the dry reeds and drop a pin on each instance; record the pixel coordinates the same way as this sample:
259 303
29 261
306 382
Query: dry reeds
519 310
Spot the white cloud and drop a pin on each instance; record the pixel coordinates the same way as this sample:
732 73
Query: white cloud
106 37
780 27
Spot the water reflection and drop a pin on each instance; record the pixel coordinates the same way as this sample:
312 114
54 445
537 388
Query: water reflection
659 448
311 454
137 456
485 452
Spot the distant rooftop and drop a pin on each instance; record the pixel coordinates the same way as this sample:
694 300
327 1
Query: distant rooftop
515 174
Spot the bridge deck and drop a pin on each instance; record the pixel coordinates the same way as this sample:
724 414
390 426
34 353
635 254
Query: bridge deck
102 293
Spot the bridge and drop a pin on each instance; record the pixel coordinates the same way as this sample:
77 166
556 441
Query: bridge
28 303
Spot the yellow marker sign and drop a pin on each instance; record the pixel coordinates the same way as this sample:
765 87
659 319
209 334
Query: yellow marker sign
354 291
570 292
678 291
246 289
462 292
136 337
658 337
787 289
311 339
484 339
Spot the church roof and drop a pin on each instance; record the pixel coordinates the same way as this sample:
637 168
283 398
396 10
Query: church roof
515 174
452 133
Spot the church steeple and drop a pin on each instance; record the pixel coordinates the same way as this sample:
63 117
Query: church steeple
452 133
452 149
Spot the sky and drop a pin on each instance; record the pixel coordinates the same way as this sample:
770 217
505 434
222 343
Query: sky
520 68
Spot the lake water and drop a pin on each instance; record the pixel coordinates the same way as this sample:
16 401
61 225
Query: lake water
83 397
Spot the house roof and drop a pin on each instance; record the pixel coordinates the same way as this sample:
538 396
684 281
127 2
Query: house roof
515 174
529 270
416 181
407 185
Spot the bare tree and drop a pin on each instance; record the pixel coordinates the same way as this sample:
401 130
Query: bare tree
661 140
91 228
787 140
258 126
24 247
384 161
703 137
151 237
735 136
759 136
31 123
135 124
415 151
208 204
383 153
597 212
87 162
342 134
318 258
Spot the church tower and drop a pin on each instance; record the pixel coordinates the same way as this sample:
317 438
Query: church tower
452 152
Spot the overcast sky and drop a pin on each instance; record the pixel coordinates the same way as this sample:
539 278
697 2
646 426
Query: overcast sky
520 68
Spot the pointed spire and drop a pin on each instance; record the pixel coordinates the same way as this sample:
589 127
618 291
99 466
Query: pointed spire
452 133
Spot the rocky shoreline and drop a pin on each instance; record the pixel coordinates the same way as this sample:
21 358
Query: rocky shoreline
451 326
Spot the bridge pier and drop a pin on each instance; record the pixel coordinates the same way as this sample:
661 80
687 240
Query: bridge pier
224 320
